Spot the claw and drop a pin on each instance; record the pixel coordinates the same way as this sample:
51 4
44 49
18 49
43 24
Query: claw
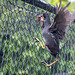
49 65
37 40
44 63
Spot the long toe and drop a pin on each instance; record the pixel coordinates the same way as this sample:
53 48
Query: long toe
44 63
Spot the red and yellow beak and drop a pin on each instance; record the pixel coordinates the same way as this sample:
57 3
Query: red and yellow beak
41 19
42 15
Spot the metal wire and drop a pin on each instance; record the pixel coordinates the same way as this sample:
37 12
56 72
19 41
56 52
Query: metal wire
19 53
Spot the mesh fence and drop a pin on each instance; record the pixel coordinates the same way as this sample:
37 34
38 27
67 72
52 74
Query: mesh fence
19 53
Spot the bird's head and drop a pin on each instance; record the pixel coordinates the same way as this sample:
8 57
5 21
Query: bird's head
44 18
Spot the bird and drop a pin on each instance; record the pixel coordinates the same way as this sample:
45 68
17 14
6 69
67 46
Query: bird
54 32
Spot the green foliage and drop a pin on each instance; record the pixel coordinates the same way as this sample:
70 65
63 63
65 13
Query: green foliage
21 54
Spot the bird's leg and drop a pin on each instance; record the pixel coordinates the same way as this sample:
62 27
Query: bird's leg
49 64
40 43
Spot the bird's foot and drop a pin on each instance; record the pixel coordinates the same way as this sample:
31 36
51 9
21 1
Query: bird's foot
49 65
37 40
44 63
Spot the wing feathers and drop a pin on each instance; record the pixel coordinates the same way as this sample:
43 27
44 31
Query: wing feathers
65 8
60 5
62 19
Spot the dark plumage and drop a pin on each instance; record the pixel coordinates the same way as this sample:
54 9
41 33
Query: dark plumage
56 31
51 38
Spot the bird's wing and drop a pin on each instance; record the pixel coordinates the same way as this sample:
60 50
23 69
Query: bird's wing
58 8
62 19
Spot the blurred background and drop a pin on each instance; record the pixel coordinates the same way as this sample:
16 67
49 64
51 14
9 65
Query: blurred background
19 53
64 2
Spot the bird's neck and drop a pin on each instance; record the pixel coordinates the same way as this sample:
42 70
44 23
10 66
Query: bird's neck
47 22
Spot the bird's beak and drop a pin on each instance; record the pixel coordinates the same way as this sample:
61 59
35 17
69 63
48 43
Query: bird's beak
41 19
